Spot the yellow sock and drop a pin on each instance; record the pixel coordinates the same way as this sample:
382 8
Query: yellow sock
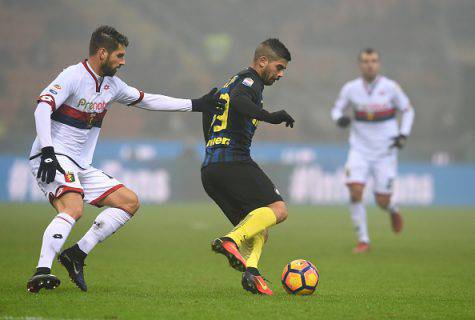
255 222
252 250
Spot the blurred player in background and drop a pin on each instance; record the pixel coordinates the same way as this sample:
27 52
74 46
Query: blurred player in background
68 119
374 140
231 178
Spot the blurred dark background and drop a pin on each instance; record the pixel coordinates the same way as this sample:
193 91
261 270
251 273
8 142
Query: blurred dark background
183 48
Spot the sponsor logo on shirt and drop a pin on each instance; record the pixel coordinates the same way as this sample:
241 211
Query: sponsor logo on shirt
218 141
92 106
57 87
52 91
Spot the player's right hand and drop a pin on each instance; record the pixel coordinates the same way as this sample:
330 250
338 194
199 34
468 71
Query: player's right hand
209 103
48 165
343 122
281 116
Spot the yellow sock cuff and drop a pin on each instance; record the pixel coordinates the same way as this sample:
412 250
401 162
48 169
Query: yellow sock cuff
255 222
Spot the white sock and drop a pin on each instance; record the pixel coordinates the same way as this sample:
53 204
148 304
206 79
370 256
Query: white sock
54 237
358 216
107 223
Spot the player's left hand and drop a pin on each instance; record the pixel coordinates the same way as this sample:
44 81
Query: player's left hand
48 165
209 103
281 116
399 141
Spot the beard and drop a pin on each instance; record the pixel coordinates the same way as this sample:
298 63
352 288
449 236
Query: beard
107 70
267 79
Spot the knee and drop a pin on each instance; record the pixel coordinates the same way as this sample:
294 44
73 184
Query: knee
71 204
132 204
280 210
356 193
383 201
74 210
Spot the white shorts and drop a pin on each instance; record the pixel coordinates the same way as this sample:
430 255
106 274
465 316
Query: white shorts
359 169
93 184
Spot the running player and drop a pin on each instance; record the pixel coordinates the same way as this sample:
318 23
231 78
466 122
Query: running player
374 139
231 178
68 119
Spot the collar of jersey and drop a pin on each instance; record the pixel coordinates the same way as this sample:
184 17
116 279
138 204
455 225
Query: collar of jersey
96 78
370 86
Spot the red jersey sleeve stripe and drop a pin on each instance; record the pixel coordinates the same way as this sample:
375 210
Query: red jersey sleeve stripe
139 99
49 99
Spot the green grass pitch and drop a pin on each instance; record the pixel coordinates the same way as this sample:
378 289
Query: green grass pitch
160 266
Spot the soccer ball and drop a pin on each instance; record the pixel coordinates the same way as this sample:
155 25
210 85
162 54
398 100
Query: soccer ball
300 277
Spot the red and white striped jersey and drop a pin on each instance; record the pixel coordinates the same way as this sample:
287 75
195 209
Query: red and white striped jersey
374 106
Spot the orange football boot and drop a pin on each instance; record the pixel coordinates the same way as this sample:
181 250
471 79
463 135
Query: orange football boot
361 247
227 247
255 283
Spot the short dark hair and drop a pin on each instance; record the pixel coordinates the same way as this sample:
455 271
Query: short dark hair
106 37
368 50
273 49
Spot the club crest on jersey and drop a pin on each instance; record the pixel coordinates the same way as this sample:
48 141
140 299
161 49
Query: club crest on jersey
52 91
69 176
106 87
57 87
248 82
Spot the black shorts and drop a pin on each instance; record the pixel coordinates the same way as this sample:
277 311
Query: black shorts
238 188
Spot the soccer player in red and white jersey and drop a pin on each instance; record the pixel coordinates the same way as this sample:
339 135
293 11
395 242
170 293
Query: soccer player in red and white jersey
375 138
68 120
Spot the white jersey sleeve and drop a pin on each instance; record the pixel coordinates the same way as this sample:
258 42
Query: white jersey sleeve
133 97
341 104
59 90
51 98
402 103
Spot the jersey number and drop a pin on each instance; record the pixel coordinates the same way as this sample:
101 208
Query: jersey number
220 122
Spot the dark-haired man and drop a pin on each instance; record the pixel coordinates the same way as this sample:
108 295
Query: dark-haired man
231 178
374 139
68 119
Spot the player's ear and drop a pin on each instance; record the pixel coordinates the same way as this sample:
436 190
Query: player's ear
103 54
263 61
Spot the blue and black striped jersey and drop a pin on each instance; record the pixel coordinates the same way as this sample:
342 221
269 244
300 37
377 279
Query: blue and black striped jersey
229 136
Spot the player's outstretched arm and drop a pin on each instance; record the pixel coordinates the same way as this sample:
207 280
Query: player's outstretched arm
209 103
130 96
156 102
244 105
